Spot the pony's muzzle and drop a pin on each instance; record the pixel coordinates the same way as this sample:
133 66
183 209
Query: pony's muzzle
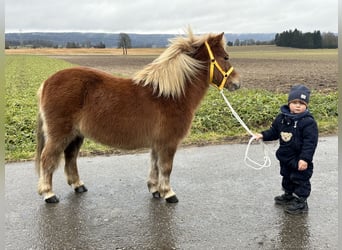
235 83
233 86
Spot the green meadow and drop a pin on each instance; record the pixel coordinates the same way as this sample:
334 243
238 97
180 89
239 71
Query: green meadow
274 52
213 122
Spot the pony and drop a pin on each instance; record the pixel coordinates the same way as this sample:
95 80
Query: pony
153 109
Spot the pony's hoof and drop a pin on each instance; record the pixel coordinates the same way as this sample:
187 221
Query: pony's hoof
172 199
156 195
52 199
81 189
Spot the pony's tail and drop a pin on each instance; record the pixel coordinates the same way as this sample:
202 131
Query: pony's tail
40 142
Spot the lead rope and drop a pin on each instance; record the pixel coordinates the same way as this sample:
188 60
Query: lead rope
248 161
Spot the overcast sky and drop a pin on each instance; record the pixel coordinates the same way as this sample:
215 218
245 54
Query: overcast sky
171 16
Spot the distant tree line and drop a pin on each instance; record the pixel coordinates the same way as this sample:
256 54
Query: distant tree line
73 45
295 38
249 42
308 40
30 43
48 44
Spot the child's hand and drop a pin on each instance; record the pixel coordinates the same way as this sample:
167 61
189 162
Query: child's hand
302 165
258 136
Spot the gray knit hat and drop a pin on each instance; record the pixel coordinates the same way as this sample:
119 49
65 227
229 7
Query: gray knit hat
299 92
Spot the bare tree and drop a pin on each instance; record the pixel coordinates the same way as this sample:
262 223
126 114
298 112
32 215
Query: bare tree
124 42
329 40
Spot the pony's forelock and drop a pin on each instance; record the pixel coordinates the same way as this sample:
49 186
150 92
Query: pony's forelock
169 73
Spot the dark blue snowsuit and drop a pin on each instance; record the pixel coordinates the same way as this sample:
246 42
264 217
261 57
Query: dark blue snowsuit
298 137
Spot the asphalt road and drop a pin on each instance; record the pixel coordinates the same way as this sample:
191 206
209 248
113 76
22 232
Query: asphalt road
223 204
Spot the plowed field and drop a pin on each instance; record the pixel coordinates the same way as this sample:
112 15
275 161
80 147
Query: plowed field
277 73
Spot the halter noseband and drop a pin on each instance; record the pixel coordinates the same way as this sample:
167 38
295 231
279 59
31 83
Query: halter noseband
213 63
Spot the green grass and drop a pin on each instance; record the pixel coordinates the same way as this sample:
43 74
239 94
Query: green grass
213 121
257 108
23 75
274 52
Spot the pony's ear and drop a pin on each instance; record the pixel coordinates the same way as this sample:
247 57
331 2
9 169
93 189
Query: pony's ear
220 36
217 39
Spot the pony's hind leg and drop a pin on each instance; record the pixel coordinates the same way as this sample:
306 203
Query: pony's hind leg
48 164
70 168
152 182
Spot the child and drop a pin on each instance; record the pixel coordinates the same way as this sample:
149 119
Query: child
297 132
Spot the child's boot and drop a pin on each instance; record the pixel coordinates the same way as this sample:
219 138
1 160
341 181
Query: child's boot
284 199
298 206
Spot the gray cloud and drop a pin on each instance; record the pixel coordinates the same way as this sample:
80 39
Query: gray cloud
153 16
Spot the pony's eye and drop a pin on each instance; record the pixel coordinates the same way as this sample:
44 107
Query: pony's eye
226 57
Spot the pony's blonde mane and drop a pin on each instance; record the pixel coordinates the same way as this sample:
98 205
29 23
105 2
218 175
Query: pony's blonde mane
169 73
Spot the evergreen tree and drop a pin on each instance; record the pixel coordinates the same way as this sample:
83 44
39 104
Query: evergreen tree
296 39
317 39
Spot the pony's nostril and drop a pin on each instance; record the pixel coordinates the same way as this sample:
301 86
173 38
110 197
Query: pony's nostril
234 86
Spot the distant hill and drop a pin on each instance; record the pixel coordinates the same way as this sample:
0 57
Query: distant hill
111 39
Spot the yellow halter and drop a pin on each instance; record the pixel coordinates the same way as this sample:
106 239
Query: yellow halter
213 63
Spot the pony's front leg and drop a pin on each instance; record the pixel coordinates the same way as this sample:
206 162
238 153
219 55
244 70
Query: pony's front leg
165 162
152 182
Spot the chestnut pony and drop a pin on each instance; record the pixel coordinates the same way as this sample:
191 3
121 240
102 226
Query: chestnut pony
153 110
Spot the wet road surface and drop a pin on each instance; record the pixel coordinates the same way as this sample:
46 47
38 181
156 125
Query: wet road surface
223 204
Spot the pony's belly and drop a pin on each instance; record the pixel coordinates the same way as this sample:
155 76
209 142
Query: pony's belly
122 140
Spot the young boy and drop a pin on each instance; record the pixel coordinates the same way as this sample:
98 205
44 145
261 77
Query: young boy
297 132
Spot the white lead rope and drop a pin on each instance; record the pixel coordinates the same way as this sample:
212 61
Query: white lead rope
248 161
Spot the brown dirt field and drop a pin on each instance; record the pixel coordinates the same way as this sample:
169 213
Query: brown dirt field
278 75
275 75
